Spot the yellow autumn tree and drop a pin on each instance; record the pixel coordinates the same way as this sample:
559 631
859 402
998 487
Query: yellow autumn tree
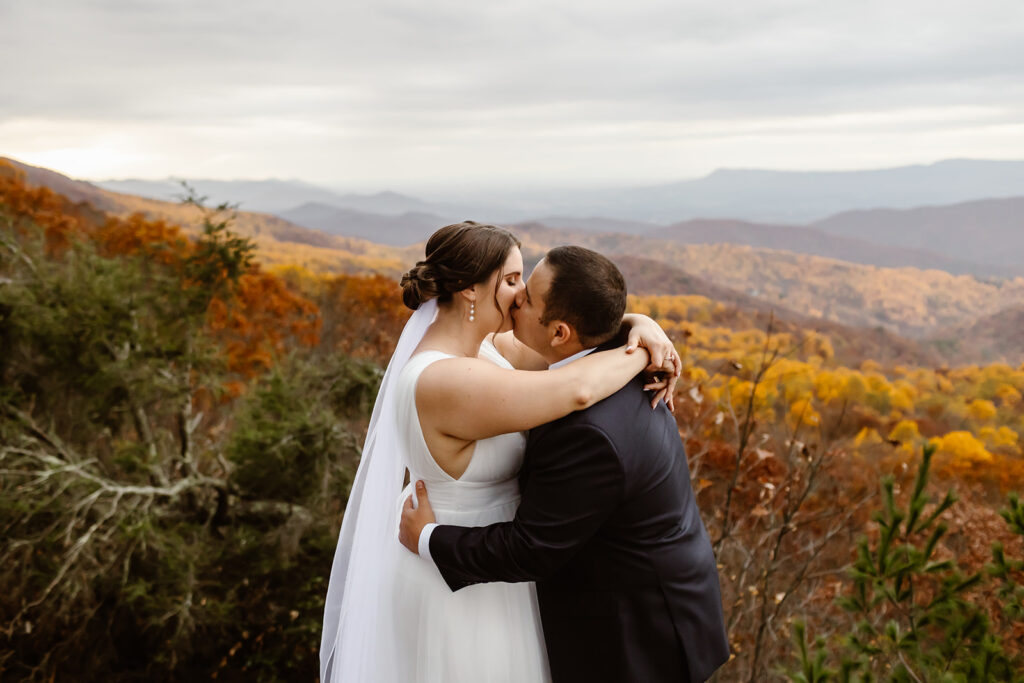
905 431
867 437
1008 395
1000 438
802 414
981 410
908 434
963 447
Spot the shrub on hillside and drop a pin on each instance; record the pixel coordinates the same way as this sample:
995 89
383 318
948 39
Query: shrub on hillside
918 615
153 527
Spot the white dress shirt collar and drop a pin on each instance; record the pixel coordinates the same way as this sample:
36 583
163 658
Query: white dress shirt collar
575 356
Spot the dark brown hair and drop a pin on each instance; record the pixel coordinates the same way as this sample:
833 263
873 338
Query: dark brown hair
587 291
457 256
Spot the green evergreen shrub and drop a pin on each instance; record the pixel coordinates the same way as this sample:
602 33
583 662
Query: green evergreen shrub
915 618
144 535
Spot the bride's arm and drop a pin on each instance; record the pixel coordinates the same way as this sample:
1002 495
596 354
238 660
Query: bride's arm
470 399
642 331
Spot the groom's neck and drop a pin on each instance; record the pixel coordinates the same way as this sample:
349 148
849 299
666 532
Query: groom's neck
562 351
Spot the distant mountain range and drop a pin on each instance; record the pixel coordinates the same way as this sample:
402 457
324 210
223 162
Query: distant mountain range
278 241
975 225
787 197
994 338
911 283
800 197
980 238
844 247
905 301
989 231
741 311
279 196
396 230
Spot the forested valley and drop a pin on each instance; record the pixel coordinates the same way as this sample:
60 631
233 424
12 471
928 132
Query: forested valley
179 426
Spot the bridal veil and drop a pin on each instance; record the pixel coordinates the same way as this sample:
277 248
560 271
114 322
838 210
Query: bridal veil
368 547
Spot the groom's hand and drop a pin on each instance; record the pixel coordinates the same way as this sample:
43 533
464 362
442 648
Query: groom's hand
414 519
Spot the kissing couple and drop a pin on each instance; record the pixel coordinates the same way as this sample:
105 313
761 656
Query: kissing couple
551 532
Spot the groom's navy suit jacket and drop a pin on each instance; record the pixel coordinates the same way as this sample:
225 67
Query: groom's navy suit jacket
609 529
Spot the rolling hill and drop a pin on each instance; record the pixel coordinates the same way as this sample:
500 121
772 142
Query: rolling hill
278 241
989 231
905 301
797 197
807 290
809 240
280 196
784 197
395 230
995 338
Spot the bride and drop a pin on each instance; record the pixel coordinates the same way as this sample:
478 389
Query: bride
452 410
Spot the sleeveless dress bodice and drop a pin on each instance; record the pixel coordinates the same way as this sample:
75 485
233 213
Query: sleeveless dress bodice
490 481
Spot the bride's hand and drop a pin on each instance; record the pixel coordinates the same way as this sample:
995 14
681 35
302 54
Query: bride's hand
663 383
665 367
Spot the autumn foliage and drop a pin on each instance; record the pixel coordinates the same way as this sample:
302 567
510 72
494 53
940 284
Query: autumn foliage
363 315
58 217
255 321
972 415
179 427
787 444
175 450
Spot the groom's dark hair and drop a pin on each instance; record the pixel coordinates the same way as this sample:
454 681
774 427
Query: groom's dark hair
587 291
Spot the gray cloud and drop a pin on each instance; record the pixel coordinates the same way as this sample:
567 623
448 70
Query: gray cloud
443 75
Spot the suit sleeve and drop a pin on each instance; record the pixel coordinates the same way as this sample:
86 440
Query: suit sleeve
576 482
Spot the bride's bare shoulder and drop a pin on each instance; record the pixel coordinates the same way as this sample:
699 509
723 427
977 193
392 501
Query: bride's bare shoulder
450 379
521 356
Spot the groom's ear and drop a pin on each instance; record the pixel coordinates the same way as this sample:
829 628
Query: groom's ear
561 333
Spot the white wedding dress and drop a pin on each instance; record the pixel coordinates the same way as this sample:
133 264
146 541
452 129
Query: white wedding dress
486 633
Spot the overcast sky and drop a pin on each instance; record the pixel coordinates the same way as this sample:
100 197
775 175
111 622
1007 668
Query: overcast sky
442 94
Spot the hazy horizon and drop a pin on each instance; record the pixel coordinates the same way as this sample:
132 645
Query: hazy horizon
445 188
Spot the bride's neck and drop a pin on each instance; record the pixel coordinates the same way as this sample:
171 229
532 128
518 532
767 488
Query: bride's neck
454 334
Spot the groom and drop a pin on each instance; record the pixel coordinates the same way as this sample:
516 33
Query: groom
608 525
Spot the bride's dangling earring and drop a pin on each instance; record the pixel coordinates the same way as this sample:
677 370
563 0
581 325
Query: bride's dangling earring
472 311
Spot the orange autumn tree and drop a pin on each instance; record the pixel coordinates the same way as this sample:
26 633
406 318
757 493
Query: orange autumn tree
257 323
363 315
57 216
116 338
254 319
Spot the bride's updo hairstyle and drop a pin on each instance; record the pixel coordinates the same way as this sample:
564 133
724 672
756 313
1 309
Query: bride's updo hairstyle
457 256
